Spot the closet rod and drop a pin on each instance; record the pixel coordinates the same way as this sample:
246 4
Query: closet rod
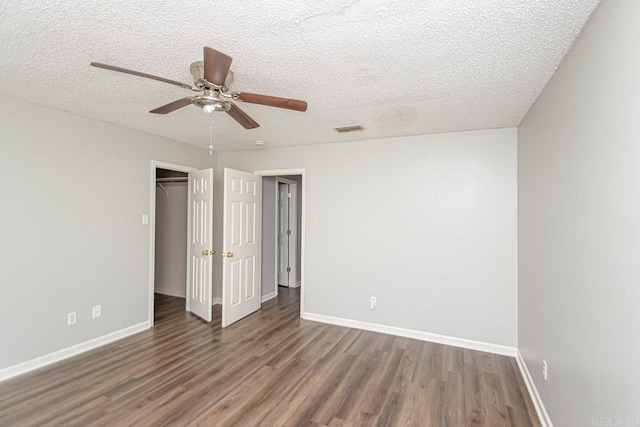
174 179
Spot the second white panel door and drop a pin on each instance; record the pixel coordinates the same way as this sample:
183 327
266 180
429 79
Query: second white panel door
241 245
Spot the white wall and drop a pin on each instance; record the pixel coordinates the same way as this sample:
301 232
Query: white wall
427 224
579 228
171 239
73 193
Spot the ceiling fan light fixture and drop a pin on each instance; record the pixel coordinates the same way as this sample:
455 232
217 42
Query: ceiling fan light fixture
209 106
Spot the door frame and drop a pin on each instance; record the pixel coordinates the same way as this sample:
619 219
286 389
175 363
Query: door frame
155 164
302 213
294 192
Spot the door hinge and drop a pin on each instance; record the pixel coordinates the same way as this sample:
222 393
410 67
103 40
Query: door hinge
289 232
289 195
288 269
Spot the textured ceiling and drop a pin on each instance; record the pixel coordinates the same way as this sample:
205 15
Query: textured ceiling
402 67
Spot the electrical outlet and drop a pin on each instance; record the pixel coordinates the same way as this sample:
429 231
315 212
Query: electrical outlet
372 303
545 370
71 318
97 311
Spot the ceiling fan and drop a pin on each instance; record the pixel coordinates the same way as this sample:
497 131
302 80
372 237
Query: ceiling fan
212 78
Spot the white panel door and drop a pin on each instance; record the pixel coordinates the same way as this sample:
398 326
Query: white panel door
283 234
241 245
200 245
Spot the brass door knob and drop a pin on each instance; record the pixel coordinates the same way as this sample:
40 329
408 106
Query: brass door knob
228 255
208 252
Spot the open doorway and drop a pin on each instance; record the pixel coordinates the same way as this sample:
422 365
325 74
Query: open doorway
281 234
168 235
170 264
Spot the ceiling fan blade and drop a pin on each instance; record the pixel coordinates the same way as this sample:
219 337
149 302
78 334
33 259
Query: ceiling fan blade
172 106
139 74
216 66
242 117
273 101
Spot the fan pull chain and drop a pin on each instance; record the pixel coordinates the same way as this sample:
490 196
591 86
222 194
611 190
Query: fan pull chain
211 137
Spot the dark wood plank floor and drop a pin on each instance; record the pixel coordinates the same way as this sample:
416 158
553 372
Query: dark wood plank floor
270 369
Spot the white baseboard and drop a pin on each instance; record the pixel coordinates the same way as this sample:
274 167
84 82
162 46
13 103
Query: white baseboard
56 356
297 285
169 292
269 296
545 421
216 301
411 333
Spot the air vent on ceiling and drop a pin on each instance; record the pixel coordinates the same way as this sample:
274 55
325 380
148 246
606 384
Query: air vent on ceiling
344 129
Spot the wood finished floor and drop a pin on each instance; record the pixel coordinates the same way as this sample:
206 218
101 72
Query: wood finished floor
269 369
